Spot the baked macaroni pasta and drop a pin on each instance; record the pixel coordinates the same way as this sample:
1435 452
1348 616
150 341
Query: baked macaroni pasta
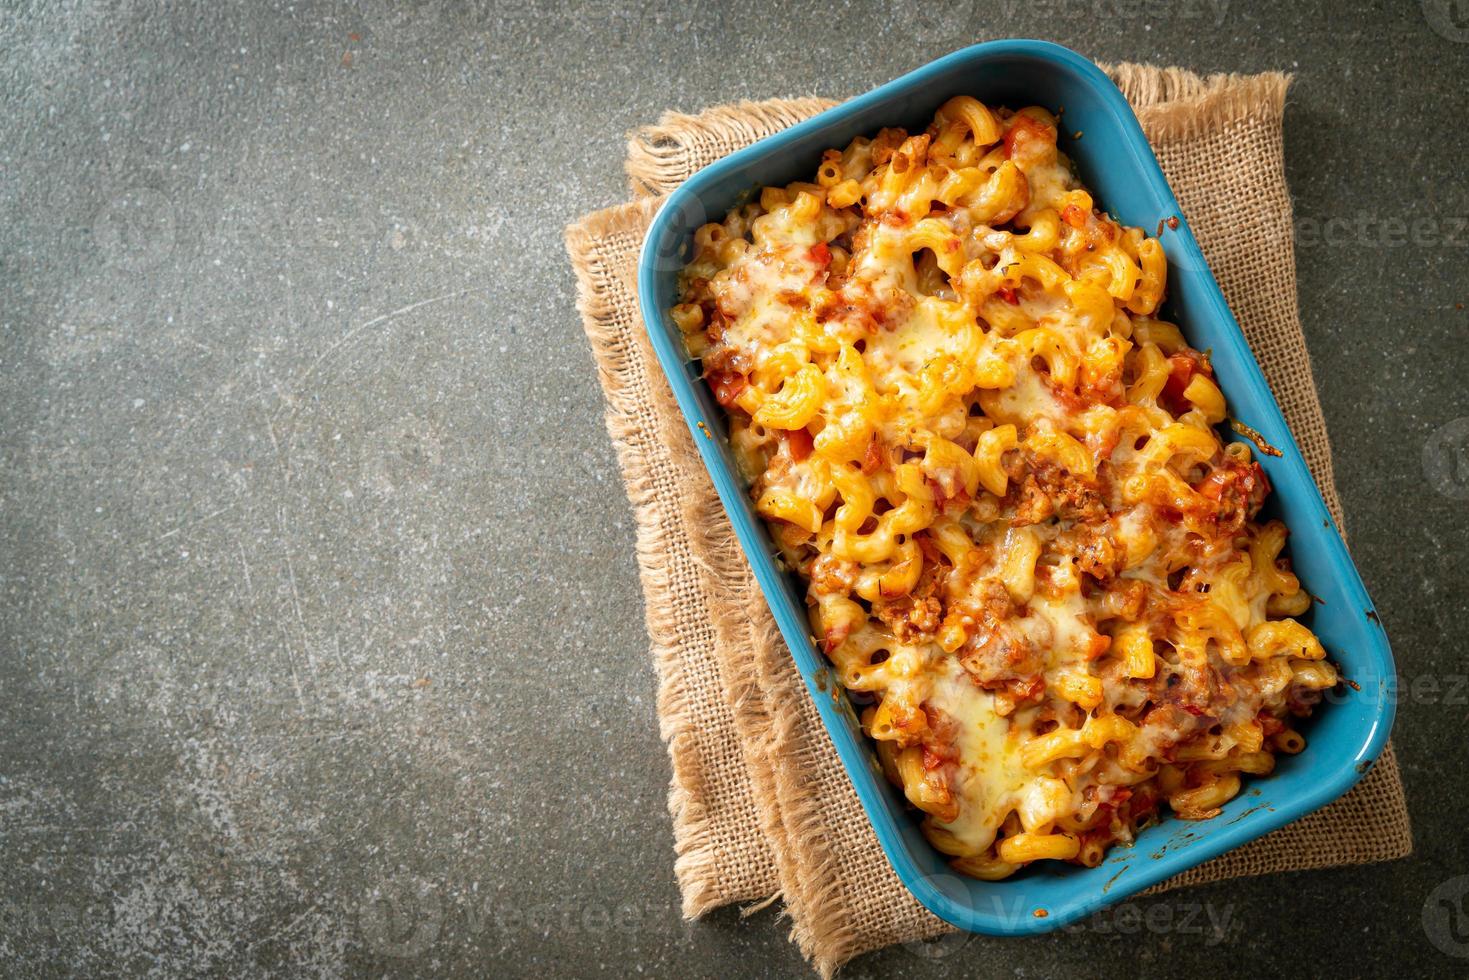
1029 556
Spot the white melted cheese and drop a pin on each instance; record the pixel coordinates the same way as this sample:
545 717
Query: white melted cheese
756 292
894 356
1059 627
1028 399
991 777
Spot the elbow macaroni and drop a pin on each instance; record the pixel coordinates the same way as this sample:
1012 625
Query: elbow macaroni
998 472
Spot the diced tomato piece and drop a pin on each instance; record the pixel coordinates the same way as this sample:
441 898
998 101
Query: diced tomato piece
1007 294
799 443
874 458
727 386
1182 368
821 254
1074 216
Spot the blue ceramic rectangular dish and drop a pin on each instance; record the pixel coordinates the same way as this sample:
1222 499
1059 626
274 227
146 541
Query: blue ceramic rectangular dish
1115 161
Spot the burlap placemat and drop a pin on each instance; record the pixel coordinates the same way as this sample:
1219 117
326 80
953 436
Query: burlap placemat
761 805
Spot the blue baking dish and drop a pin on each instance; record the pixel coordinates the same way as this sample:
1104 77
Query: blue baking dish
1344 736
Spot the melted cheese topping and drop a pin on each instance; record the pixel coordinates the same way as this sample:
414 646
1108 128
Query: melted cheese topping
999 474
989 775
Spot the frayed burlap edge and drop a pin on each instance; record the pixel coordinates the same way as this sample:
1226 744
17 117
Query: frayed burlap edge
1181 106
674 143
704 864
693 867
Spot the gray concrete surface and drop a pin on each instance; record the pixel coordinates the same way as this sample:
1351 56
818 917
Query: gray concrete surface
321 647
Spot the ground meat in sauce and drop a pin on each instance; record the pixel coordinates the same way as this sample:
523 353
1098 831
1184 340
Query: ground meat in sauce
1096 548
831 575
910 619
1032 503
916 616
1240 490
997 653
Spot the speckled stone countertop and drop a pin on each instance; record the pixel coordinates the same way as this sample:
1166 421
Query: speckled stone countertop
321 644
